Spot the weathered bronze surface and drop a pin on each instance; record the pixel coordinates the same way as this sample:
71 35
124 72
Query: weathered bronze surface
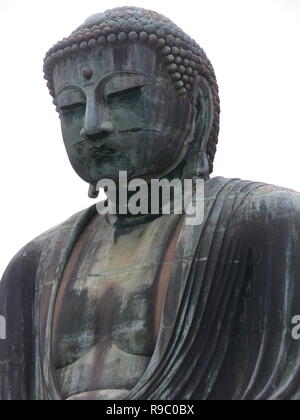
148 307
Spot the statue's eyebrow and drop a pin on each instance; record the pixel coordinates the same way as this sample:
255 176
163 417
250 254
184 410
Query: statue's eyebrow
105 79
69 87
111 75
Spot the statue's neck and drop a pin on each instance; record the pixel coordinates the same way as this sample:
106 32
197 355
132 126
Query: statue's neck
150 203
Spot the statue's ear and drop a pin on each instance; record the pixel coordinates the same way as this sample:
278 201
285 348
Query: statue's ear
197 160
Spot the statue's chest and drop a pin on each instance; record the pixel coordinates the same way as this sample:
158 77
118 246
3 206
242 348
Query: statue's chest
111 292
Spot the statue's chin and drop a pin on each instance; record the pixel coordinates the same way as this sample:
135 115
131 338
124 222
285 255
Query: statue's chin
92 173
93 177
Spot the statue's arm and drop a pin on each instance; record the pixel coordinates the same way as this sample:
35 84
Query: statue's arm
17 327
271 297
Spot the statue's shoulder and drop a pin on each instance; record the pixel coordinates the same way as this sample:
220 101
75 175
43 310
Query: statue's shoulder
271 203
257 203
25 263
62 228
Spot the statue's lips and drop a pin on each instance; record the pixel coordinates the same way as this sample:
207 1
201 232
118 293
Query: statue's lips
103 150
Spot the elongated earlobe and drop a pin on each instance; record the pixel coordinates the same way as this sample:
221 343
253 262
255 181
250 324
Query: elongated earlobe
93 192
197 165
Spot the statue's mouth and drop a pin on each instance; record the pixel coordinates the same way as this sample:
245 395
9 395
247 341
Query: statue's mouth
103 151
100 137
102 146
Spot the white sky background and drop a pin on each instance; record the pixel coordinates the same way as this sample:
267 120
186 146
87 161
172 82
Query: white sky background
254 48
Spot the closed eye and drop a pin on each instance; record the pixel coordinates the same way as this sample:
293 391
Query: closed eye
71 107
132 91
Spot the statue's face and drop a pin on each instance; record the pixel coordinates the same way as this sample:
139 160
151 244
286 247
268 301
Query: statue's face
120 111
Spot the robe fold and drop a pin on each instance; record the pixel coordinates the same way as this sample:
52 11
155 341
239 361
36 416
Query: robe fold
226 326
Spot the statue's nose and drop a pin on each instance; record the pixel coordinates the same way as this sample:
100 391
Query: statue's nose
96 122
94 132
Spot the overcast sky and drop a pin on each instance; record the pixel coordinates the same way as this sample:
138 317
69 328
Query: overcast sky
254 47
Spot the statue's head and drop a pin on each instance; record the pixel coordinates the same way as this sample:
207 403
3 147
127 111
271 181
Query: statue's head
134 93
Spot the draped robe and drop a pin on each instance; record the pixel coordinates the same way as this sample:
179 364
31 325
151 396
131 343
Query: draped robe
226 326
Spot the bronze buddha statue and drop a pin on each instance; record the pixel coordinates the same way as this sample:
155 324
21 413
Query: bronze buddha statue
149 307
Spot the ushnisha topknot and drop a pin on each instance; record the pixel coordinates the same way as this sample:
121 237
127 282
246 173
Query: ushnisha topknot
185 60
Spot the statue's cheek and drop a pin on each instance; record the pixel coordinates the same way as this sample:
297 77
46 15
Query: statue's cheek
71 127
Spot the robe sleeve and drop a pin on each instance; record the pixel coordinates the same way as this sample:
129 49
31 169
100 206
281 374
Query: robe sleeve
263 359
17 309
